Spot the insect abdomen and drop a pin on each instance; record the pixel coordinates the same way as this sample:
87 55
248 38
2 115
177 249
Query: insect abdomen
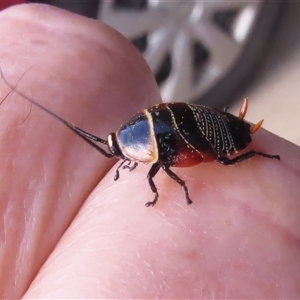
226 133
180 144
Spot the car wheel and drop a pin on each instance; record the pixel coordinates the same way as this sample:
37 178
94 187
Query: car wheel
198 50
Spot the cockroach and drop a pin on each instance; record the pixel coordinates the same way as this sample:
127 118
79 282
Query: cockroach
173 135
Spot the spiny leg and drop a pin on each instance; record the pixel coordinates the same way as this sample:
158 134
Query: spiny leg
227 161
153 171
180 182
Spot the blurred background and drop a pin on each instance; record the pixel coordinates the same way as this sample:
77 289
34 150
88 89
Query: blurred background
214 52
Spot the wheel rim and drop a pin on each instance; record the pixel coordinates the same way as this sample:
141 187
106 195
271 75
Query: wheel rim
189 45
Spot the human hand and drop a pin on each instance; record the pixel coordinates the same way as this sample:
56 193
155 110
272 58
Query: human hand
93 237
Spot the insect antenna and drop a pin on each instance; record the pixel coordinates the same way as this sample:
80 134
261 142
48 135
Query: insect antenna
87 137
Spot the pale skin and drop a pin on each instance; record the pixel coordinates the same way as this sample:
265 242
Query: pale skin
68 230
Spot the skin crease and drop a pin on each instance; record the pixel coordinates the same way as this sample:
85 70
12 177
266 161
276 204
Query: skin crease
69 231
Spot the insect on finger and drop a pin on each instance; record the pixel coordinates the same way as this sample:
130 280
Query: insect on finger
172 135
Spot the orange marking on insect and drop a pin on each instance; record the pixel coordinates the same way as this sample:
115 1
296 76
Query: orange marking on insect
256 126
243 109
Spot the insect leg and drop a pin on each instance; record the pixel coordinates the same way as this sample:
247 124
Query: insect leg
227 161
180 182
131 167
153 171
117 175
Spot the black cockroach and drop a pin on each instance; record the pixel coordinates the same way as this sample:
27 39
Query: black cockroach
173 135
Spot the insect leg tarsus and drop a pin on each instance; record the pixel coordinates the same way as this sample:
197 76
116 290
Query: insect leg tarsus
227 161
153 171
180 182
117 175
130 167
